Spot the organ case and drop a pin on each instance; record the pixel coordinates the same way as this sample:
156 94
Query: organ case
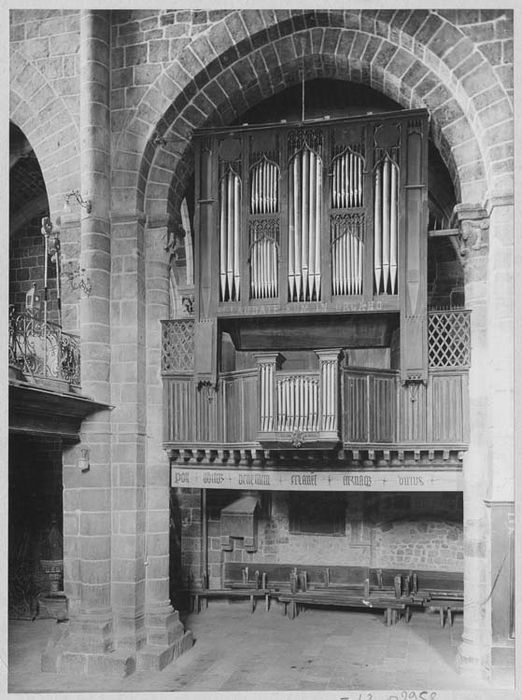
324 215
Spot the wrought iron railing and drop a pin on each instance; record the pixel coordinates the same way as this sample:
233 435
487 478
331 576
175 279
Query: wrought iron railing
449 338
41 349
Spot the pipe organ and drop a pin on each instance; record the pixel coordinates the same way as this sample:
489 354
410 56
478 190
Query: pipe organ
229 232
311 217
305 192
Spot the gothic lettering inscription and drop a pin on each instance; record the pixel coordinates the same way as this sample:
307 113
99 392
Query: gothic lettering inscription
253 479
357 480
327 480
213 478
303 480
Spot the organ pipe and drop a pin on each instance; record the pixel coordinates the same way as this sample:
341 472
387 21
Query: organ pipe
264 187
229 236
297 402
347 181
347 245
264 199
385 226
347 253
305 192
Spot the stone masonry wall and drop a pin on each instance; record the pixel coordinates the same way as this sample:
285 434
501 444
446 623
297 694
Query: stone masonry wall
26 266
417 531
172 71
45 94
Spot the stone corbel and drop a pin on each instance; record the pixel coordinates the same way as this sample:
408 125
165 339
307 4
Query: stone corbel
473 237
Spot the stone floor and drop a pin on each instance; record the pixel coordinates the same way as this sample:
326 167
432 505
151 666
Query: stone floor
321 650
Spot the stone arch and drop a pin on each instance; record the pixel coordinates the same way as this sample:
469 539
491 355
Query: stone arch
45 119
407 56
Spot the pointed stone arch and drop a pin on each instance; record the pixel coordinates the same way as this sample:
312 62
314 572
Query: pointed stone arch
413 57
48 124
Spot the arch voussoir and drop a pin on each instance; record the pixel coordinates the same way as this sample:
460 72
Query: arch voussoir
222 77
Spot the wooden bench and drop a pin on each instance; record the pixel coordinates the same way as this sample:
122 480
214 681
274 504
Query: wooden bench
441 584
393 608
204 594
447 606
443 591
239 581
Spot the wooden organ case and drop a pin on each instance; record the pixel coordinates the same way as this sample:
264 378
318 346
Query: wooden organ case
310 328
328 216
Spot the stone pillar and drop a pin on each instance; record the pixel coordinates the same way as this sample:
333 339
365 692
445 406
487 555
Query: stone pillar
89 646
500 493
473 654
128 421
166 638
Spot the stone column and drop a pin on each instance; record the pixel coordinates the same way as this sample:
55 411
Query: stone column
500 492
90 646
128 421
166 638
473 654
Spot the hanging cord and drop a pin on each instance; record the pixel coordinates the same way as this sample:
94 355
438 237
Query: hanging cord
303 95
497 576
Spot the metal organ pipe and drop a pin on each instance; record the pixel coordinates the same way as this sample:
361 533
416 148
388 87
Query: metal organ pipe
229 233
386 223
393 230
297 402
237 219
264 184
305 190
377 225
386 227
347 244
223 240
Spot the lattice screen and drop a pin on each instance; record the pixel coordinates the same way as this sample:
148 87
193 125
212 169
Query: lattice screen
177 346
449 339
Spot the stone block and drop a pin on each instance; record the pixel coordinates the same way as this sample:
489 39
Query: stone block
145 74
115 663
97 523
135 54
95 548
400 64
156 657
158 51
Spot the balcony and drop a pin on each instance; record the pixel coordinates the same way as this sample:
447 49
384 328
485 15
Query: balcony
349 408
41 351
45 398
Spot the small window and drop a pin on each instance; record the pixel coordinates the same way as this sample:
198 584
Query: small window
317 514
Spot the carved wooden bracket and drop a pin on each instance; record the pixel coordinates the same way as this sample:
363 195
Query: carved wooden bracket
208 389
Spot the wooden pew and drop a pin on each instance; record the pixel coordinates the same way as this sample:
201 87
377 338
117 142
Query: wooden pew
393 608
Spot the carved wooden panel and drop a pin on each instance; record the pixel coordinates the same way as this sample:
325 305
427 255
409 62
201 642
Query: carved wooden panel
412 411
180 419
383 407
447 394
449 338
355 419
177 346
